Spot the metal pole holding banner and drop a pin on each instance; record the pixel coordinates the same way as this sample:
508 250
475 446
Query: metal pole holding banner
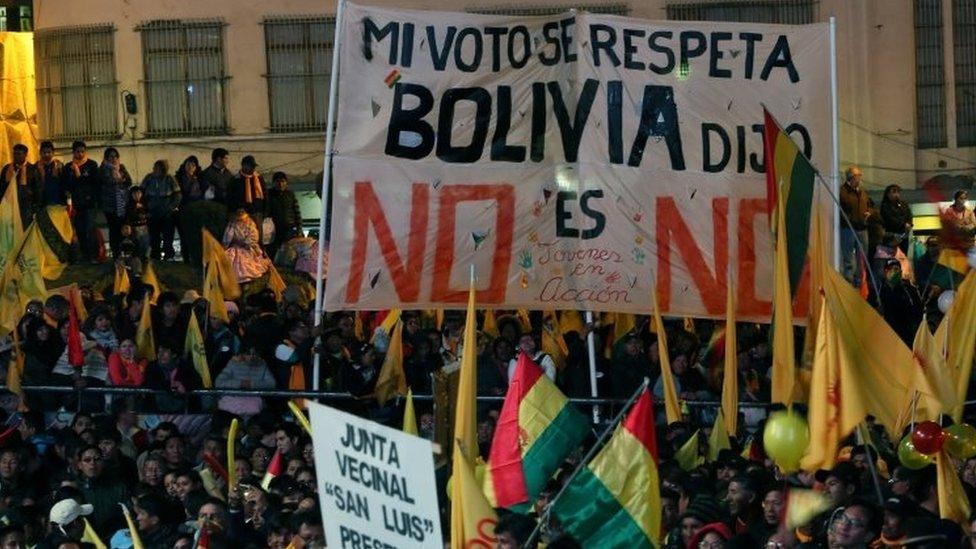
591 352
326 181
834 141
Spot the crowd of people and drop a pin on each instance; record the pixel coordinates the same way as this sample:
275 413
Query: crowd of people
68 458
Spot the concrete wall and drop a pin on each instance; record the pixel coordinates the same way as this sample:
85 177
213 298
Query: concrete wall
876 60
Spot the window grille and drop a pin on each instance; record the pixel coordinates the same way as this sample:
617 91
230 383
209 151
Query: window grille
299 58
526 11
964 46
930 108
789 12
76 86
183 63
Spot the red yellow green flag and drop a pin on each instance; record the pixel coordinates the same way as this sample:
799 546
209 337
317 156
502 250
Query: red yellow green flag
615 501
784 357
536 430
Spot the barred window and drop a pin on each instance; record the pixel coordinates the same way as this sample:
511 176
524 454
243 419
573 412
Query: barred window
930 108
789 12
525 11
183 62
964 40
76 86
299 57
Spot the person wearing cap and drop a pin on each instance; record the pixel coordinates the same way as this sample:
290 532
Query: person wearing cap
701 511
66 522
901 303
894 527
246 191
284 211
163 196
711 536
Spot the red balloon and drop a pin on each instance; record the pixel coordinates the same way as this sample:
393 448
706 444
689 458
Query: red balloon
928 438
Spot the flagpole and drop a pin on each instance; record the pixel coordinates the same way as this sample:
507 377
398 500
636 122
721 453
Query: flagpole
597 446
591 353
834 135
326 181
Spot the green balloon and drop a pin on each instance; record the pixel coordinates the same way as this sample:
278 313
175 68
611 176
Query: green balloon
786 438
961 440
909 456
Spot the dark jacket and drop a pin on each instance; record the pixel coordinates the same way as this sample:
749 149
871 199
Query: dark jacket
52 190
854 203
894 215
163 537
902 307
282 208
30 196
105 493
162 195
84 188
217 179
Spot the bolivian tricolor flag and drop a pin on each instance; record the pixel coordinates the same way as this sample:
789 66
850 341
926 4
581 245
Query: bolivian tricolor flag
614 501
790 173
537 429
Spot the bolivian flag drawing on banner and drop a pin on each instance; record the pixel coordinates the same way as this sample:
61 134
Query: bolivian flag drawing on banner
614 500
537 429
790 173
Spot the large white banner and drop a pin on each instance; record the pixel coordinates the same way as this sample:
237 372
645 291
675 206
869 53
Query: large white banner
576 160
376 483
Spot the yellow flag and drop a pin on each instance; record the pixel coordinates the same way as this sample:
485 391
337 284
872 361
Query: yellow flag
553 343
472 518
90 536
275 282
824 414
149 277
193 346
960 333
719 438
410 416
121 284
933 380
730 377
133 531
465 412
623 324
524 320
357 328
438 318
23 278
145 341
672 409
11 225
953 502
387 325
215 259
803 505
232 454
300 417
214 295
689 325
571 321
490 325
784 358
687 457
392 380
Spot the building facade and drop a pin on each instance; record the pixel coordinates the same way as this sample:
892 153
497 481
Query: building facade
173 78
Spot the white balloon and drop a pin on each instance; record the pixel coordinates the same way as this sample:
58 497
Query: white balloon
971 257
945 300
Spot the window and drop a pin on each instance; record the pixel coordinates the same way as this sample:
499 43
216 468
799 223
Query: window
790 12
611 9
929 75
183 62
76 87
26 18
299 56
964 40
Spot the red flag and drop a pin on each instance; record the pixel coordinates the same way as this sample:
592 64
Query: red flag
274 470
865 287
76 356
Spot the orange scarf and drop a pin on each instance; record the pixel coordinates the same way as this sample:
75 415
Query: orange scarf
252 188
21 174
77 164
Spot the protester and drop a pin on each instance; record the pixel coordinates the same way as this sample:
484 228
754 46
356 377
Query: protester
27 181
853 224
115 192
163 200
81 183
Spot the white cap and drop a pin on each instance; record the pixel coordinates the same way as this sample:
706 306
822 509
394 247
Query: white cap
67 511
